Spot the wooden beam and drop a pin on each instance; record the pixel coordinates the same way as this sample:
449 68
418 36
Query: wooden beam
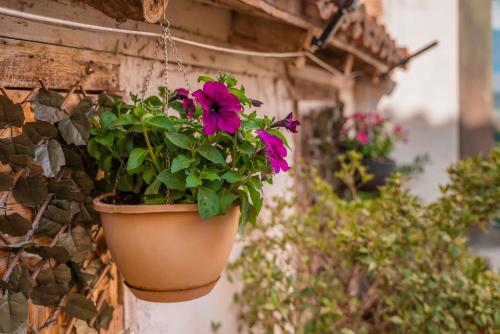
23 64
140 10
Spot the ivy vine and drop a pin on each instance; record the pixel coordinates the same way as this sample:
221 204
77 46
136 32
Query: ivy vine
55 254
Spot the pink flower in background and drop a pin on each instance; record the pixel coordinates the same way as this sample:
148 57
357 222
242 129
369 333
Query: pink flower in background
399 132
362 137
288 123
374 118
187 103
220 108
276 151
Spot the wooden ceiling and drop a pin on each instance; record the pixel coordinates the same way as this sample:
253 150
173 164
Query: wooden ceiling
360 35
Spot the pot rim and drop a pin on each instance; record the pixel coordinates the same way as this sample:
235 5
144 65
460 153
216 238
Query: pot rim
99 206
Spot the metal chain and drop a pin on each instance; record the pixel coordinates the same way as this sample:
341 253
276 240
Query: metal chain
180 65
147 79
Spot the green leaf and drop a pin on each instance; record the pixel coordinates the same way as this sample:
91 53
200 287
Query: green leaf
193 181
247 148
160 121
13 312
211 153
78 306
172 181
24 161
108 120
254 188
179 163
148 175
127 119
30 191
136 158
180 140
205 78
93 149
226 200
11 114
153 188
231 177
155 199
125 182
208 203
209 175
50 156
53 284
14 224
105 139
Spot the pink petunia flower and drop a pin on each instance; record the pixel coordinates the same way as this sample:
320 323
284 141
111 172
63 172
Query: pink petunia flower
275 150
362 137
187 103
220 108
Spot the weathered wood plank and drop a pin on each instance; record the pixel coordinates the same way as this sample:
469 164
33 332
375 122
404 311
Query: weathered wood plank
23 64
139 10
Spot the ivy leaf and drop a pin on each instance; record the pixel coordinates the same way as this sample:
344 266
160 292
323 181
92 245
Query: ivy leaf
179 163
17 145
37 131
136 158
24 161
211 153
180 140
30 191
11 114
231 177
75 129
14 224
58 253
172 181
17 246
193 181
80 307
53 284
51 156
105 316
160 121
47 106
6 182
82 327
13 312
66 189
78 243
19 280
208 202
83 181
226 200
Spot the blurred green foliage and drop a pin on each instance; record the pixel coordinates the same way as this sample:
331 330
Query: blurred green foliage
386 265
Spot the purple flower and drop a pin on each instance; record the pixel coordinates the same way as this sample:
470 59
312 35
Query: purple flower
220 108
275 150
187 103
288 122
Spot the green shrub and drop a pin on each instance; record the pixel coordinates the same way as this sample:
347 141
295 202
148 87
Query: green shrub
387 265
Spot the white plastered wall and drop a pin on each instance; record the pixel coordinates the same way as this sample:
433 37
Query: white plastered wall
426 98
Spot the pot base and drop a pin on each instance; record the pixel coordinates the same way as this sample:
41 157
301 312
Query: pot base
172 296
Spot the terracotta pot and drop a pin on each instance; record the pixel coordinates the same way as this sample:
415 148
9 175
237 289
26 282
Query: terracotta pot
381 169
167 253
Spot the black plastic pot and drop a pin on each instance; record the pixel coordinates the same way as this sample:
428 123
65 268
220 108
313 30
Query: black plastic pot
381 169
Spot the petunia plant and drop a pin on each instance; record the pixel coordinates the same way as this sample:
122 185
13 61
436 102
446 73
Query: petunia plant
207 147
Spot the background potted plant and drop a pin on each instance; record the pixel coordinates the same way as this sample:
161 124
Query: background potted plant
175 187
371 135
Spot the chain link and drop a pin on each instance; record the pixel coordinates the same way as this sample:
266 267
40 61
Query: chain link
163 41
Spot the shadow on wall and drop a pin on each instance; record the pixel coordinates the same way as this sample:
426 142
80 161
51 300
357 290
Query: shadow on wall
440 142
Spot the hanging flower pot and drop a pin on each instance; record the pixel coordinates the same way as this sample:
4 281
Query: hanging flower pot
167 253
182 183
